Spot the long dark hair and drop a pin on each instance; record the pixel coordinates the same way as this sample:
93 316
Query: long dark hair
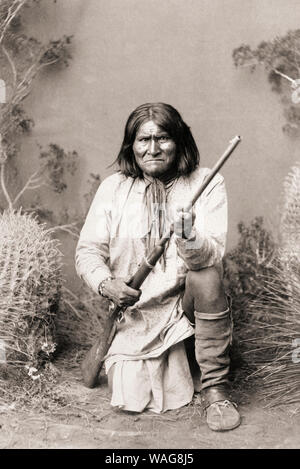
166 117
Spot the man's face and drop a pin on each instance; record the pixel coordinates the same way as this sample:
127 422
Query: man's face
154 150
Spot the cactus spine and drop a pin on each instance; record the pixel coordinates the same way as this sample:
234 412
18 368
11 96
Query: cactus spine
30 282
290 218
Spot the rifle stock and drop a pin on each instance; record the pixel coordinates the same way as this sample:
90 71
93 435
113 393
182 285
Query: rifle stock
92 363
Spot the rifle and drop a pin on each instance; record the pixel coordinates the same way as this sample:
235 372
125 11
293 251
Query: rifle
92 363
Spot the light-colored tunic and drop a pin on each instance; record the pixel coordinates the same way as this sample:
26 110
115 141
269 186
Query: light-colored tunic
150 366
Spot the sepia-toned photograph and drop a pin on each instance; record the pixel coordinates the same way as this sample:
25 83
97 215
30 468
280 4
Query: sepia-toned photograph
149 227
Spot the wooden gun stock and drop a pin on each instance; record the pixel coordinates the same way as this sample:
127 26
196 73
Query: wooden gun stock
92 363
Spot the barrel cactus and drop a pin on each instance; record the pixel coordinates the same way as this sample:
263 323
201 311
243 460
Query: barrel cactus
273 347
290 216
30 284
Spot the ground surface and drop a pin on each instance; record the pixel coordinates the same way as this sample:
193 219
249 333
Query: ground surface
86 420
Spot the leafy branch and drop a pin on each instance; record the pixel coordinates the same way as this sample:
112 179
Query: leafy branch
280 58
22 58
8 11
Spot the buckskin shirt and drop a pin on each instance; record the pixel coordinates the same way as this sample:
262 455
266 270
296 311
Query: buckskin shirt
147 357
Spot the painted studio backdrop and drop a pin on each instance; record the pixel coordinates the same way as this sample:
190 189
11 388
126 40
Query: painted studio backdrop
126 52
71 72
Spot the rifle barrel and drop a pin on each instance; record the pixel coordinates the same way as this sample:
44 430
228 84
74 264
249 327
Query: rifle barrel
232 145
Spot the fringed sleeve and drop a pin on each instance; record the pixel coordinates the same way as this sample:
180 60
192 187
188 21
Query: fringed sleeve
206 245
92 252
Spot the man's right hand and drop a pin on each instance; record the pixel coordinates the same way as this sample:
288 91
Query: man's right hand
120 293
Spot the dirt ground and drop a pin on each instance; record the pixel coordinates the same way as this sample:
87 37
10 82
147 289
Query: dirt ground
87 421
